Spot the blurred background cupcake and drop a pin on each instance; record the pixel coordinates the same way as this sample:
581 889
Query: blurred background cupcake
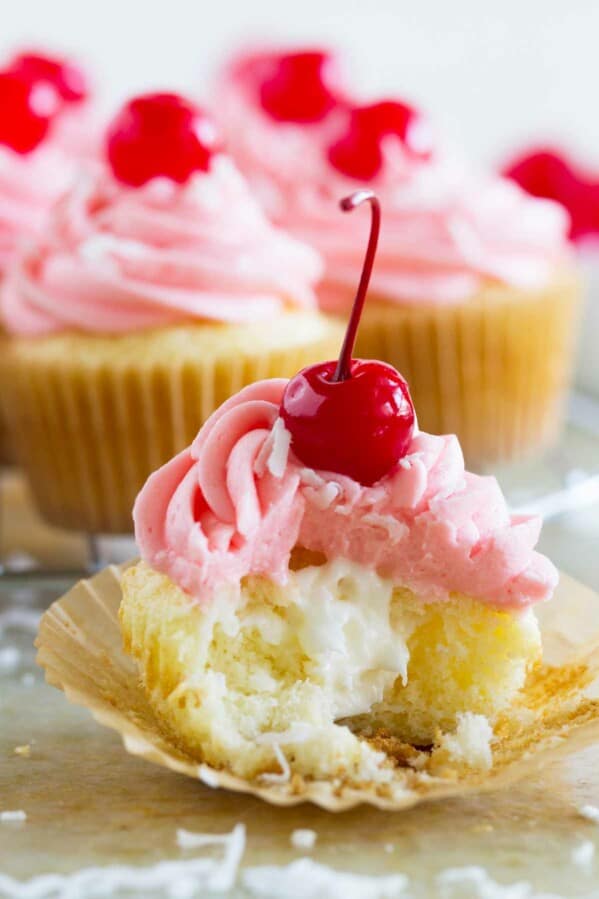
553 174
46 130
474 297
158 289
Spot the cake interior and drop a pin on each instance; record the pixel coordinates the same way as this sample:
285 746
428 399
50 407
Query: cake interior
312 678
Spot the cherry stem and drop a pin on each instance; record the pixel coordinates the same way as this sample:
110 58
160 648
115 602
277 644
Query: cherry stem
343 369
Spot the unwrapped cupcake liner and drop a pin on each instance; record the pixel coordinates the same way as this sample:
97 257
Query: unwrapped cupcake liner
80 647
89 436
494 370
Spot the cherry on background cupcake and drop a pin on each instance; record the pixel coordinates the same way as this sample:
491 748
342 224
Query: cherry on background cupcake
465 256
157 289
546 171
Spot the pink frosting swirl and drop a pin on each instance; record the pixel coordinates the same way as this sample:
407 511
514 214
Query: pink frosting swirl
447 228
30 184
116 259
237 502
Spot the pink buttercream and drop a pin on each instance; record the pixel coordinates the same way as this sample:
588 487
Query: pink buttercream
31 183
237 501
446 228
117 259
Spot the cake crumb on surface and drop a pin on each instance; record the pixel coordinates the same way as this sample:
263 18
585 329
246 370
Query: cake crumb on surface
471 741
24 750
303 838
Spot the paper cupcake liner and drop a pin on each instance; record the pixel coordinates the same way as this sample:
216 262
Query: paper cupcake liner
80 648
89 436
495 371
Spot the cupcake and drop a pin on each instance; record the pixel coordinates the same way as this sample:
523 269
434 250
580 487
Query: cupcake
475 297
45 113
157 290
324 590
549 173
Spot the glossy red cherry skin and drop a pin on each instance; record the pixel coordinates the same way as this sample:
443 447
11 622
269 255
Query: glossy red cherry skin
160 135
26 112
68 79
360 426
358 153
547 174
297 88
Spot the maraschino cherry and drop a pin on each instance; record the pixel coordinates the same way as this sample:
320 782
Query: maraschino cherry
298 88
353 416
160 135
28 109
548 174
358 153
67 78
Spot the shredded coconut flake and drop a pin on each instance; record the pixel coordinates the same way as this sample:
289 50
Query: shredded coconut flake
471 742
285 774
281 440
9 816
323 496
583 855
208 776
474 881
180 879
305 879
303 838
590 812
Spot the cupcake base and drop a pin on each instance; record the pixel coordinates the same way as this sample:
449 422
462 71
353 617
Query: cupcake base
494 370
92 417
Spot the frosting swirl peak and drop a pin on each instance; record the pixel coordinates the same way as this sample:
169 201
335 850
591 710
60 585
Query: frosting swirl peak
115 259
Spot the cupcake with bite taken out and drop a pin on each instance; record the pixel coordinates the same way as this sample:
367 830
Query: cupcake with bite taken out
324 590
157 290
44 135
475 297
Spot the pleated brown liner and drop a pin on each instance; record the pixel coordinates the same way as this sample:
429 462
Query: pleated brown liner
80 647
494 370
88 436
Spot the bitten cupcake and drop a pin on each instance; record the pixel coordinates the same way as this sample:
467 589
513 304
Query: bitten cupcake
475 298
325 592
549 173
157 290
44 114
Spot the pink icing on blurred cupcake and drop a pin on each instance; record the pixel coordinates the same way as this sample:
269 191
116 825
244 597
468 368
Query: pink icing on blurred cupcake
45 133
463 253
553 174
156 289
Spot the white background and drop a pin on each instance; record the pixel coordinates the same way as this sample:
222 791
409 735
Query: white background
494 74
